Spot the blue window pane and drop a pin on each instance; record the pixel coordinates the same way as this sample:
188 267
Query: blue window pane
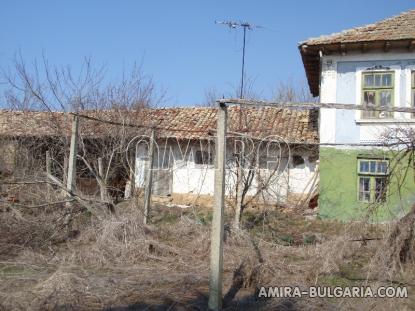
368 80
364 166
364 189
385 98
364 184
372 166
377 80
387 79
382 167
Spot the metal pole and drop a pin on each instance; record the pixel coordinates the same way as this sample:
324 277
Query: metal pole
149 177
243 65
216 248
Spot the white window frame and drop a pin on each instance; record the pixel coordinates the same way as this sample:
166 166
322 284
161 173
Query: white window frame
372 179
408 90
396 87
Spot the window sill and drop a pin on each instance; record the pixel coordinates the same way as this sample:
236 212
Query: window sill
203 166
369 121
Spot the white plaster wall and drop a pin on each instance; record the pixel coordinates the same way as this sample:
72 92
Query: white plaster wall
278 188
189 177
345 87
140 166
301 177
193 179
327 121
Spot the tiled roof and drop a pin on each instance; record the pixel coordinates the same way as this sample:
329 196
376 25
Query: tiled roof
183 123
400 27
395 33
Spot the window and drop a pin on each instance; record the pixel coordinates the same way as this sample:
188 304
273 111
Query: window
298 160
163 158
377 91
203 157
372 180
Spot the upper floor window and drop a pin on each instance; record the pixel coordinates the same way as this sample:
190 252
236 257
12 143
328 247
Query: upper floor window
377 91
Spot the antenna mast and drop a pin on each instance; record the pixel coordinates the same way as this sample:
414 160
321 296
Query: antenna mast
245 26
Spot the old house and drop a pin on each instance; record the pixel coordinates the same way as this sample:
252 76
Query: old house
26 136
280 146
373 66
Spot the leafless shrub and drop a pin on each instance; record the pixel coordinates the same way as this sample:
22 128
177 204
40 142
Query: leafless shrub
293 92
121 262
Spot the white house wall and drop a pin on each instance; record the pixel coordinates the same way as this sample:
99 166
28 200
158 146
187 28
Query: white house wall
327 119
301 177
192 178
345 126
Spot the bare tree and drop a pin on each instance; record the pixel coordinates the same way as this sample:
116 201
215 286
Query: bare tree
400 151
292 92
211 95
248 171
259 173
53 90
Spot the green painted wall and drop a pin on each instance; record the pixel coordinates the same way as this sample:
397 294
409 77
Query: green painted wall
339 187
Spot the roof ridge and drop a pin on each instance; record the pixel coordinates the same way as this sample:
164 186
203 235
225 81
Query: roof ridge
181 123
359 28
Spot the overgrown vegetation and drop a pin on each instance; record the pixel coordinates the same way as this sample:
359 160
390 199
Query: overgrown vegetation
117 262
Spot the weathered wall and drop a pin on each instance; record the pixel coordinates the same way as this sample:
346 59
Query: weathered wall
339 187
341 78
7 156
341 83
189 177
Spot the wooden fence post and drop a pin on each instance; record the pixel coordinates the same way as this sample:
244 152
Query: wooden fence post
65 173
71 179
102 183
216 248
240 185
149 178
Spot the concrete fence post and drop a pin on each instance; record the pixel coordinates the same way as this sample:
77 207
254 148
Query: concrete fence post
216 248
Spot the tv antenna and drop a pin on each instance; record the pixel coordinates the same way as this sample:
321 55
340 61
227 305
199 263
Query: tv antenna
245 26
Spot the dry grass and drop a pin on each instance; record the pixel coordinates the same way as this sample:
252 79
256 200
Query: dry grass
118 263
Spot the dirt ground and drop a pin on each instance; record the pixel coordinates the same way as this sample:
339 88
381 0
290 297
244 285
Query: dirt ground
117 263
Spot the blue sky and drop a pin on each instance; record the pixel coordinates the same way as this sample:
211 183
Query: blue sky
177 42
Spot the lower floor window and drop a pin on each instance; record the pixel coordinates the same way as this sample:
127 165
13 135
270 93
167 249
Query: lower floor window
203 157
372 181
380 189
372 189
364 189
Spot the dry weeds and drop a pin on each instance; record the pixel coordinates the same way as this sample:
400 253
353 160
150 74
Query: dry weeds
118 263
